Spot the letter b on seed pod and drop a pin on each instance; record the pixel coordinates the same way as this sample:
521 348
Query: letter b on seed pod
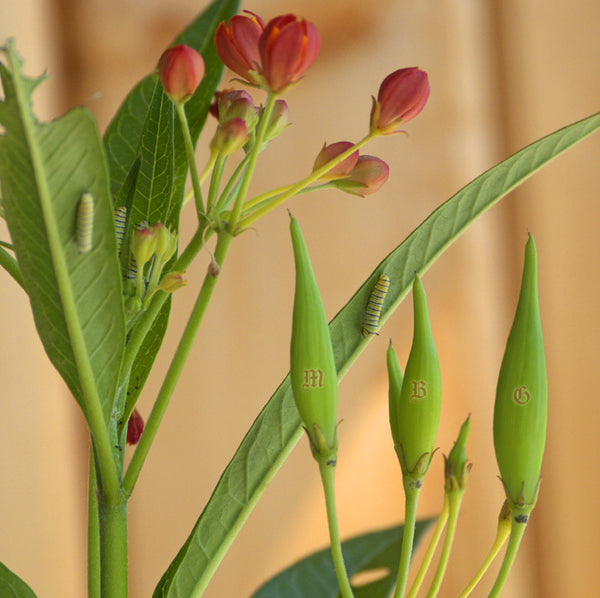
521 408
415 409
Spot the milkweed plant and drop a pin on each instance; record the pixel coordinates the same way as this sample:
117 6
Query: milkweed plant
94 245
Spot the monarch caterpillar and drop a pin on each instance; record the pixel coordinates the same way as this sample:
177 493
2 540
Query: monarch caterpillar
85 222
120 216
373 311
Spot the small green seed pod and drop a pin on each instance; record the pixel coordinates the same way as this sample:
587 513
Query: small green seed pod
313 371
417 415
521 408
395 387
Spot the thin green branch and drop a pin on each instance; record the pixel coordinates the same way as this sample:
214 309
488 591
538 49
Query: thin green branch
189 150
327 471
175 369
516 535
435 538
411 491
93 555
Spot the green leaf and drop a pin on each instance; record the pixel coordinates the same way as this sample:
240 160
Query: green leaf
75 297
12 586
276 430
144 140
377 553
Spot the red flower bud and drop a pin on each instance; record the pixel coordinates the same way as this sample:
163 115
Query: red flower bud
368 176
402 95
135 427
230 136
328 153
237 45
180 70
288 46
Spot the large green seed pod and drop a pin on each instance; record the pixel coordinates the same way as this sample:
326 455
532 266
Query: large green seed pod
521 409
417 415
313 371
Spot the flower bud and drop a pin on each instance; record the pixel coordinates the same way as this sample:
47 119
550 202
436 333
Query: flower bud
419 405
402 95
166 242
142 245
328 153
172 281
520 411
180 70
288 46
237 45
236 103
230 137
278 120
456 465
313 372
368 176
135 427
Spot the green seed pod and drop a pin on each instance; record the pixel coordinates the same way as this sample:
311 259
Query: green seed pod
456 465
521 408
419 406
395 387
313 371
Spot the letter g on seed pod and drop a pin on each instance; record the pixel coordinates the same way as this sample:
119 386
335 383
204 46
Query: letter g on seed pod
313 372
521 408
415 410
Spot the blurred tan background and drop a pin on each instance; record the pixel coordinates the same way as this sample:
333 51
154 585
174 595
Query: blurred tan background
502 75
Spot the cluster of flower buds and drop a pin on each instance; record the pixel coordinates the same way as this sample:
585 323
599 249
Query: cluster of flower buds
271 56
152 246
355 174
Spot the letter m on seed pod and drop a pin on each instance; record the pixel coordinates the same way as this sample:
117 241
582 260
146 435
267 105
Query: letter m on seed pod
312 365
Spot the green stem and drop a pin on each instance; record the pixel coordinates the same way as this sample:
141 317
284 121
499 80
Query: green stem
189 151
412 488
300 185
9 263
215 181
224 199
437 534
256 149
516 534
93 533
113 548
175 369
504 525
328 478
454 501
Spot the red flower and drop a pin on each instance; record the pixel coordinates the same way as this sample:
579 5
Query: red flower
328 153
288 46
180 70
368 175
402 95
135 427
272 57
237 45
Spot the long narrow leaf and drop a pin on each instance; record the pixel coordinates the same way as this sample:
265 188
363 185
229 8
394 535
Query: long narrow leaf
277 428
75 296
12 586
